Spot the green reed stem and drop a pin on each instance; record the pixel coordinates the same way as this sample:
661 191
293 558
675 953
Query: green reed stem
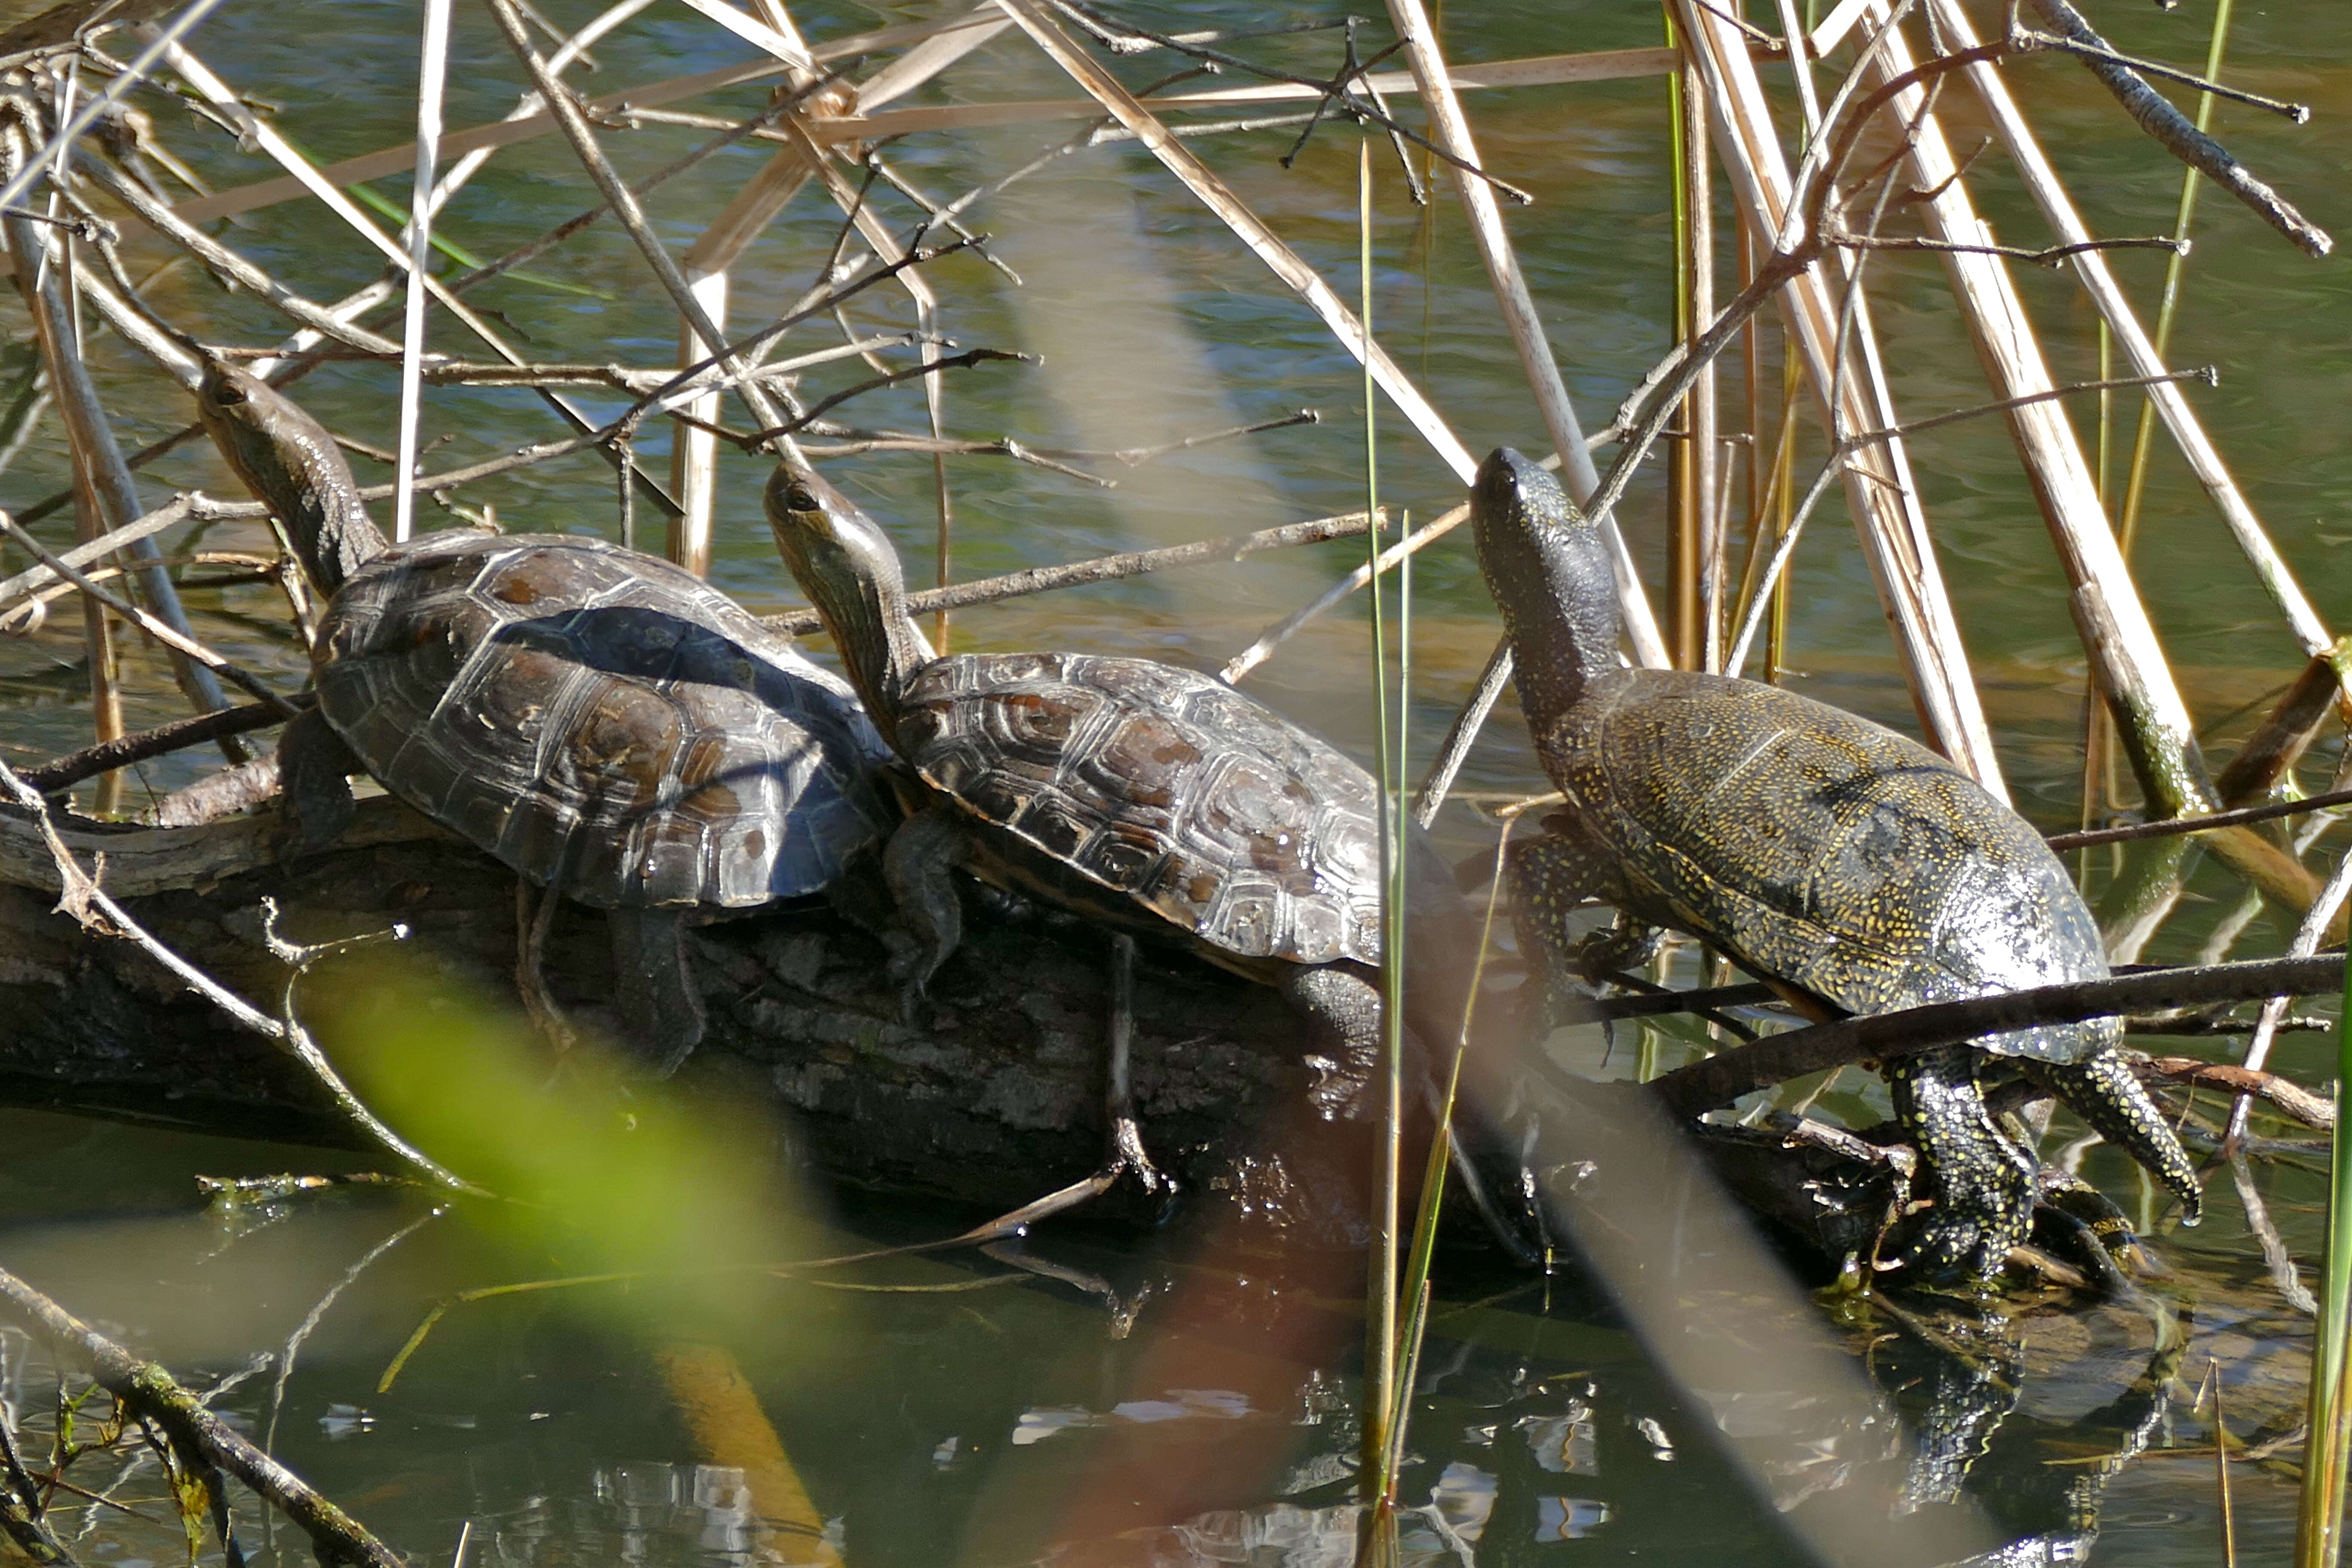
1380 1285
2144 433
1433 1185
2319 1535
2221 1472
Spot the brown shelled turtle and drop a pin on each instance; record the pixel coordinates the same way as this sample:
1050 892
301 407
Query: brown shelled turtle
1824 853
604 722
1156 800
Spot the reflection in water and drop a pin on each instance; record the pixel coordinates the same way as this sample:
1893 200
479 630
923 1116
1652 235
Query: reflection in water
944 1424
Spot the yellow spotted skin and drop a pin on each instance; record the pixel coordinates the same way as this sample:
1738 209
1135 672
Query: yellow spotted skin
1813 848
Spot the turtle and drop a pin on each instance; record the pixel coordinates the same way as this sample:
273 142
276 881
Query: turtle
1847 865
604 722
1148 798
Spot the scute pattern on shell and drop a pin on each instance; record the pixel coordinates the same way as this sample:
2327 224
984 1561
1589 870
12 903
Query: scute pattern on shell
1164 785
562 702
1821 848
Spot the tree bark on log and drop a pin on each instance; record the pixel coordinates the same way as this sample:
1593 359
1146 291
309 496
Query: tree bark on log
996 1097
994 1100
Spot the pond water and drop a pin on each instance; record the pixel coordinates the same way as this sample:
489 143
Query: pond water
1119 1400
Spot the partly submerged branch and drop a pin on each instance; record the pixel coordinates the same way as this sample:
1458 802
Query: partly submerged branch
203 1443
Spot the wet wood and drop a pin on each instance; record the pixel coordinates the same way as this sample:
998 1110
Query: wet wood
994 1100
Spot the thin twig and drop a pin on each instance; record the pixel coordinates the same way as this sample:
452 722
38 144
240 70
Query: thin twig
1719 1080
146 1391
1105 568
2132 831
65 772
90 906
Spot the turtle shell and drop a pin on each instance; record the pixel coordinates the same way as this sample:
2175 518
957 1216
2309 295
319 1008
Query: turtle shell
1820 848
1173 797
572 707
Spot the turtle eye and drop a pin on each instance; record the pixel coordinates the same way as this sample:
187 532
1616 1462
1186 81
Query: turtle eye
800 498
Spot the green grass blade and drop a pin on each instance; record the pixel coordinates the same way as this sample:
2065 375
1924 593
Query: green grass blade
375 201
1380 1284
2319 1537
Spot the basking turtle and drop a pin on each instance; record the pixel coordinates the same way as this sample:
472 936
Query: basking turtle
1820 850
604 722
1157 800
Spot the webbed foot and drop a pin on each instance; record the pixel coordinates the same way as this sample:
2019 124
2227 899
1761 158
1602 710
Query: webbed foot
2104 1091
1982 1183
1624 943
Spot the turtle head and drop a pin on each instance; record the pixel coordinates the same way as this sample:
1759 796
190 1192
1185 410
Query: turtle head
1549 568
845 563
293 467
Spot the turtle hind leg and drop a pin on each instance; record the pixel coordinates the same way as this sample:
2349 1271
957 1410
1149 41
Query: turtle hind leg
1343 1009
918 864
2104 1091
653 985
1982 1183
1551 877
314 777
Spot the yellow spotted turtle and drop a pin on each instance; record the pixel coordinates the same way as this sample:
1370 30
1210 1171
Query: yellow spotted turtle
1821 851
604 722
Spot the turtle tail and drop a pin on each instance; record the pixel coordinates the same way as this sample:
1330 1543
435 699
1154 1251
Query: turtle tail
2104 1091
293 467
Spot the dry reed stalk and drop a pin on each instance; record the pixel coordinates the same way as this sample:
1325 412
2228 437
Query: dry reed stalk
1282 631
886 246
783 41
1696 457
1450 129
101 479
1607 65
1248 226
627 209
2270 753
2098 280
2126 662
431 76
216 92
694 459
1543 71
1879 489
2307 935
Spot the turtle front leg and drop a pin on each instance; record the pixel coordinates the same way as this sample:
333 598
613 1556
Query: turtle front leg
2104 1091
1551 878
314 777
654 986
1982 1183
920 865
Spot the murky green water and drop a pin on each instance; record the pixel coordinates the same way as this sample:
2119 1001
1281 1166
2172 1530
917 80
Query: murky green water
996 1414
